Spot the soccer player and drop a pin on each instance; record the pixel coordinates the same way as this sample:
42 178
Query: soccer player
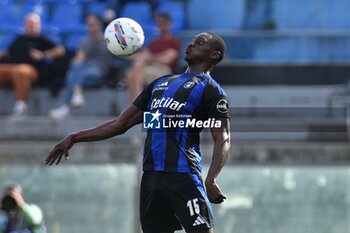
173 194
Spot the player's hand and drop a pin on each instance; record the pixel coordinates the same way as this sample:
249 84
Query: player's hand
214 192
59 150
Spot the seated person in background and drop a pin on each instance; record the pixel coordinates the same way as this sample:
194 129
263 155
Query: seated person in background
89 67
17 216
25 61
158 59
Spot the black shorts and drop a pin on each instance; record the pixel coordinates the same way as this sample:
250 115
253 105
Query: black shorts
170 201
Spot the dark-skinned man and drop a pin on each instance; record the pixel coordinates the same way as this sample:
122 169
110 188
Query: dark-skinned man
174 109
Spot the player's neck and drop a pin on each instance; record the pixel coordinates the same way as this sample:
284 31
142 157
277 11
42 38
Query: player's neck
197 69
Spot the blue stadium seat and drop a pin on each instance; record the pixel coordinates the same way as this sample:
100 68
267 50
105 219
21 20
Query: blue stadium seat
53 34
72 2
26 1
51 2
277 49
7 17
227 15
216 14
6 40
141 12
298 14
68 17
40 9
73 40
196 13
97 8
80 1
302 49
336 14
176 9
138 11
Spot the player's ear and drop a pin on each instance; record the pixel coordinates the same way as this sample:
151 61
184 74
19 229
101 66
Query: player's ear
215 55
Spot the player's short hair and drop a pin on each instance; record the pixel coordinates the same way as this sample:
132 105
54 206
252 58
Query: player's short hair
218 44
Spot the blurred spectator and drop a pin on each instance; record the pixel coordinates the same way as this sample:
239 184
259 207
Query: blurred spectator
18 216
108 16
26 61
158 59
89 68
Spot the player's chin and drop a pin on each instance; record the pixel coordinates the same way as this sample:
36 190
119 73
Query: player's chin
188 59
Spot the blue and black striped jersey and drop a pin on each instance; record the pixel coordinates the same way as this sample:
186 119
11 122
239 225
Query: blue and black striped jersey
185 104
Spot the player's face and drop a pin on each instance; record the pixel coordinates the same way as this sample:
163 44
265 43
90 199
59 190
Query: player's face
198 50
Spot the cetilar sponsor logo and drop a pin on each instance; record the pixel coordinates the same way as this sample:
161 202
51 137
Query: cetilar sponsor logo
168 102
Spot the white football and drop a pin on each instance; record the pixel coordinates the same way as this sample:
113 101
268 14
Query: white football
124 36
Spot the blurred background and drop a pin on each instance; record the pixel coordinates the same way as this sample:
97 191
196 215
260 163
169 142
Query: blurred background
286 76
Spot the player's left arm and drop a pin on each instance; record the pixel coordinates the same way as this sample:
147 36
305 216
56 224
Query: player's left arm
221 137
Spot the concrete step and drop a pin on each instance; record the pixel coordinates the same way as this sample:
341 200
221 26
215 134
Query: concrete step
99 102
44 128
127 151
244 100
291 113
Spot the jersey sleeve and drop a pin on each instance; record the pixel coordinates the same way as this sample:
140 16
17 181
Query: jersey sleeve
143 99
216 103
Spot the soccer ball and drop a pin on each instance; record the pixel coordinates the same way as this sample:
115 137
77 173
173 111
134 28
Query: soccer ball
124 36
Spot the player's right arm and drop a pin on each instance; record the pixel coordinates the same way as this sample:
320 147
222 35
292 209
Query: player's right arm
131 116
